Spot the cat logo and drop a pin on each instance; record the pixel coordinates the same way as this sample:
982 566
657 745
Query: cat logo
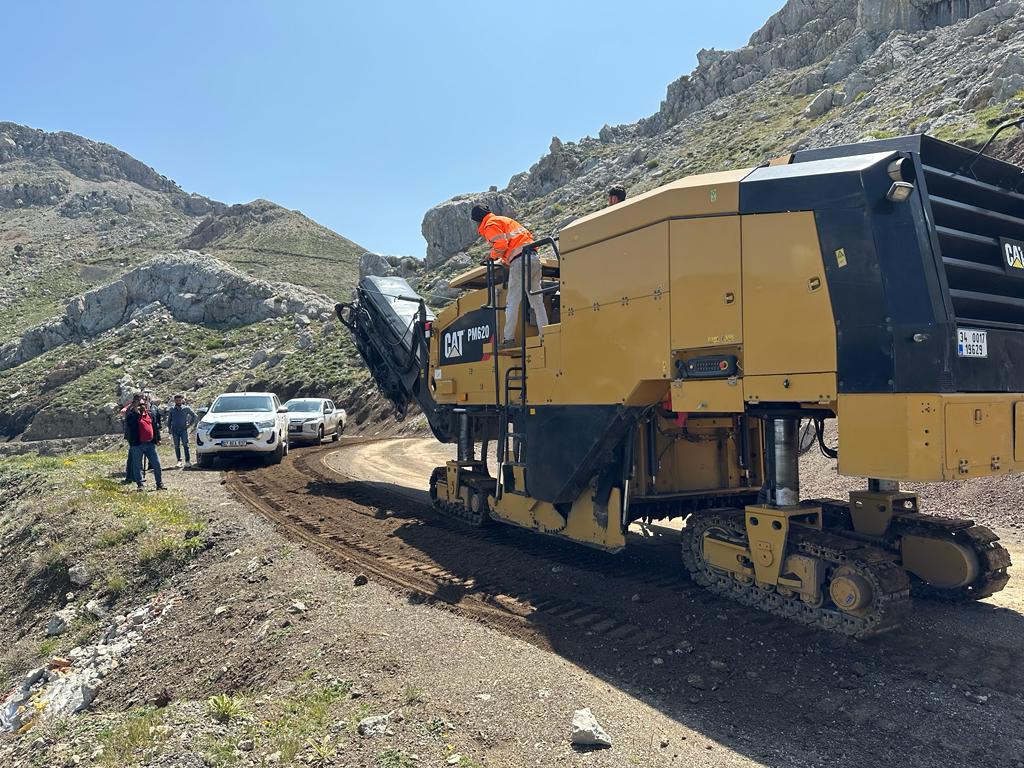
453 344
1013 256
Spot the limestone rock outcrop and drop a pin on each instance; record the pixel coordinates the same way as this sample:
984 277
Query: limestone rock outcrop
194 288
95 161
448 228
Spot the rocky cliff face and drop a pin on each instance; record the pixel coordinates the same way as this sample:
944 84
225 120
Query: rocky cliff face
803 33
818 72
92 161
193 288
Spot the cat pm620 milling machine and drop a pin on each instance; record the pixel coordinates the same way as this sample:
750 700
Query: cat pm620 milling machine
694 326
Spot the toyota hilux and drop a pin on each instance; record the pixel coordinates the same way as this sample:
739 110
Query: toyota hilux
243 424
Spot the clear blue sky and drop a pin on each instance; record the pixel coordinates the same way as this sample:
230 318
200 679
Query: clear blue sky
361 115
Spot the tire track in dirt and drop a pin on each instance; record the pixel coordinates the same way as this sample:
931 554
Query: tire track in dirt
635 620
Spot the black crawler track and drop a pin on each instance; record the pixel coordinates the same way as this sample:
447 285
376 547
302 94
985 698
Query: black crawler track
890 583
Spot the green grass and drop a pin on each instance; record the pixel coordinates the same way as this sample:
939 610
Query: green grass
138 732
118 532
224 708
296 724
116 583
394 758
121 535
986 121
47 647
161 555
412 694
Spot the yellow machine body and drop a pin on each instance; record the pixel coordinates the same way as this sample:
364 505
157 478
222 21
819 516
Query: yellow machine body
692 326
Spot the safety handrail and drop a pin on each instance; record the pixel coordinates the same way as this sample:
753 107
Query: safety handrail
551 240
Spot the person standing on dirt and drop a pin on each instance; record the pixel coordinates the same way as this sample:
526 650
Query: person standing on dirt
143 436
129 474
179 419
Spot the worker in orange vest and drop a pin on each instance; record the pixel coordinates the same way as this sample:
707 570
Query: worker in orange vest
509 239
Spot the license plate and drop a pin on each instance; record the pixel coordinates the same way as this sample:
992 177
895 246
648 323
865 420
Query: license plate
232 443
971 343
294 429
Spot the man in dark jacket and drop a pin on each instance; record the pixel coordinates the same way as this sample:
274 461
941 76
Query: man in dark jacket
179 418
143 432
129 473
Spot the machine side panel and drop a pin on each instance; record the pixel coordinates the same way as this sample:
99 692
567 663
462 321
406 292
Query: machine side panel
704 265
710 194
928 437
566 446
787 316
610 351
625 267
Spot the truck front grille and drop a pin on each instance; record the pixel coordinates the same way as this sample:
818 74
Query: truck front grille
226 431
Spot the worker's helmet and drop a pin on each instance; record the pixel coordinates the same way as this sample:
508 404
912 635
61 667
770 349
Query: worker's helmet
478 213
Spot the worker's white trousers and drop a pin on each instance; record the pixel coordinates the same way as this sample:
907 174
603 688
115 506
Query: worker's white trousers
515 289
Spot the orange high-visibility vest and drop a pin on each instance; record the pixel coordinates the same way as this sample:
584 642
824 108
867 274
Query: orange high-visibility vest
506 236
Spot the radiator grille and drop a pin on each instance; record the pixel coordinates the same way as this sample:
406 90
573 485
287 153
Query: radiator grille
226 431
970 216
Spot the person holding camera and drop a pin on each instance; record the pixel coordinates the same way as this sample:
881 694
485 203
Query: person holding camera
143 431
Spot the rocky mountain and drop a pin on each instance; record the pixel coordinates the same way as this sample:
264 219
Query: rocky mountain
268 241
183 322
819 72
114 278
76 213
79 217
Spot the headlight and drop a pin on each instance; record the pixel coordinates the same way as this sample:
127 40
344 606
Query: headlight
315 418
205 425
268 424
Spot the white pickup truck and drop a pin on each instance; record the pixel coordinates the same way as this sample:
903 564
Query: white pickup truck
243 424
310 419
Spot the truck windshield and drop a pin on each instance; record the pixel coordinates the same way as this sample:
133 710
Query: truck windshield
240 403
303 405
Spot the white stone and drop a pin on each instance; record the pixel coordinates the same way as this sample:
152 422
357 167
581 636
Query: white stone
79 575
373 725
586 731
61 620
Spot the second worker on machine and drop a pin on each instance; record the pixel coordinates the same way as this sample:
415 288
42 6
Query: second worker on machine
509 240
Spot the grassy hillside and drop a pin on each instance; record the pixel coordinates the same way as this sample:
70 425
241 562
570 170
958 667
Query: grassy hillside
274 243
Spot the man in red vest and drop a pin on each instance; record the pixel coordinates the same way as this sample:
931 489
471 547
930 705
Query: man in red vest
143 432
509 239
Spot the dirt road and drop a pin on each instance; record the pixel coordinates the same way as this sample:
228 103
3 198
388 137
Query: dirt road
949 686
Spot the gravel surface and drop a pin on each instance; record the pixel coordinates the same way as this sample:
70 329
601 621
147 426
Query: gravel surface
997 502
264 620
274 624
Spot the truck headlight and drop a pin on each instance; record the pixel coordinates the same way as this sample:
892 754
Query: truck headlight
268 424
204 425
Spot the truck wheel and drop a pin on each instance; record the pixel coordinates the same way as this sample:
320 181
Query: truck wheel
277 455
204 460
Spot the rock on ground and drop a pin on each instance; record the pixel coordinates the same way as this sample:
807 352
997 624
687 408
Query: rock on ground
586 731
